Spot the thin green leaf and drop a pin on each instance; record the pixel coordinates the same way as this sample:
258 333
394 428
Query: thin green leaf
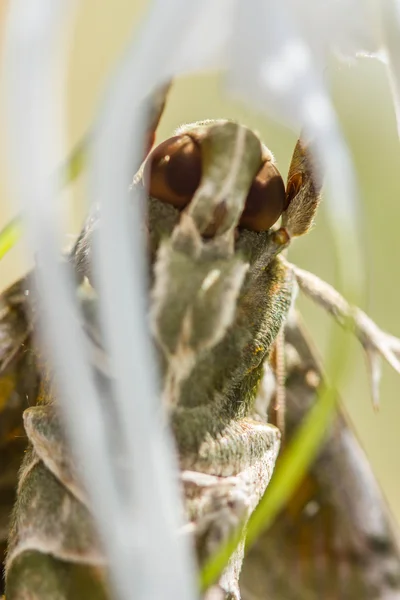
75 163
10 235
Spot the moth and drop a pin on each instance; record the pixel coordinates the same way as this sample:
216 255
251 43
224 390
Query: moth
219 218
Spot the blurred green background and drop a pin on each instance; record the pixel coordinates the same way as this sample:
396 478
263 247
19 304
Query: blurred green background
362 99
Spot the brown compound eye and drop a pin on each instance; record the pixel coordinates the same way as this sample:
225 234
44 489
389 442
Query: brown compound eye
265 201
172 171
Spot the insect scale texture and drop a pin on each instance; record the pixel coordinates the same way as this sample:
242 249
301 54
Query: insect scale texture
219 294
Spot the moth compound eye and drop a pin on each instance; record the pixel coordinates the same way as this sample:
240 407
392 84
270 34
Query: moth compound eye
265 201
172 171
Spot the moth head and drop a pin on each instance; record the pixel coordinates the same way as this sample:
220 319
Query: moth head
174 171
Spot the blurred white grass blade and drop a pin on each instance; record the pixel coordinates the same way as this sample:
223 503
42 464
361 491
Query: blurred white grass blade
346 27
205 41
167 569
349 28
390 18
34 73
273 67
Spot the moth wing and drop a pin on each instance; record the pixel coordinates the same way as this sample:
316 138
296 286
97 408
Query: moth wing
18 390
335 538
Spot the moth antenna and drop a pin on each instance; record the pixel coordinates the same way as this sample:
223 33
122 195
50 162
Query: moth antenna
303 190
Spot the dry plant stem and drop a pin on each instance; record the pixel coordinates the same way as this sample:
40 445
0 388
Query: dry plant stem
376 343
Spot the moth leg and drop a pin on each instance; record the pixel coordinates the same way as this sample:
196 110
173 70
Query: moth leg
376 343
277 361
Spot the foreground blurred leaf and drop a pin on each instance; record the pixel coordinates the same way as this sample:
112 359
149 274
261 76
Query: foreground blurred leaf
10 235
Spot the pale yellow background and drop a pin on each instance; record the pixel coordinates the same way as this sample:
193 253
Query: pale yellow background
362 99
